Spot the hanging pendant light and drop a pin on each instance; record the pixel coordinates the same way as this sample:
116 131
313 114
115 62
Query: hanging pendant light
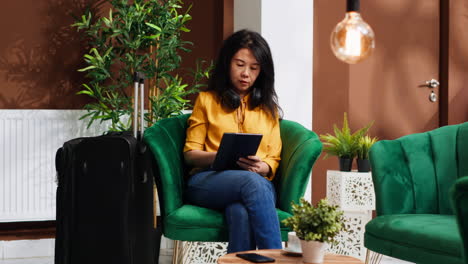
352 40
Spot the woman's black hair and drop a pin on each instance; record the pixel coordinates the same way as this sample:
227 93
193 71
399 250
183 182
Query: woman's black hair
263 90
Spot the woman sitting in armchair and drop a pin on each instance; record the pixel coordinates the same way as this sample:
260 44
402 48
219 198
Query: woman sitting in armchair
240 98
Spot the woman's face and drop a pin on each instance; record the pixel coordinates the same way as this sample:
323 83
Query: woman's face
244 71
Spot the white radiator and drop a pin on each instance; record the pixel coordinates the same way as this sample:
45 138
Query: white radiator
28 142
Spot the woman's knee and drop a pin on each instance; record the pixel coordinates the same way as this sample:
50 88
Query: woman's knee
259 183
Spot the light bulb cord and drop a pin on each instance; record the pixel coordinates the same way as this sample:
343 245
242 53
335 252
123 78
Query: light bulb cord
352 5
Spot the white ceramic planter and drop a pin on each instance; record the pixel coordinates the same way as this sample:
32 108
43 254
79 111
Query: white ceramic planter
313 251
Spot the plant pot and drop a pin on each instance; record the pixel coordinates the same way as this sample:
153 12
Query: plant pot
345 164
313 251
363 165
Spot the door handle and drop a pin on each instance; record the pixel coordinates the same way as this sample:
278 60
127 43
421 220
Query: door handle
433 83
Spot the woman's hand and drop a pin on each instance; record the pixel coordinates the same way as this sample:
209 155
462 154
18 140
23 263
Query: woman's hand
199 158
254 164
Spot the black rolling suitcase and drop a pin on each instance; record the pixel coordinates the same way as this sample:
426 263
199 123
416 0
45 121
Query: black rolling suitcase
105 200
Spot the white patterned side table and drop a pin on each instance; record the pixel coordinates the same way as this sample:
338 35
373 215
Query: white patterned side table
353 192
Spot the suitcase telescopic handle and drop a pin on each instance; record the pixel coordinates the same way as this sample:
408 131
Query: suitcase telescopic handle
139 80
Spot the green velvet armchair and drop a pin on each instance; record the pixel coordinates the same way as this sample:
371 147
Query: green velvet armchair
412 179
185 222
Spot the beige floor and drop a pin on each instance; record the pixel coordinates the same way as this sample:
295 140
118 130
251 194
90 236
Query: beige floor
165 258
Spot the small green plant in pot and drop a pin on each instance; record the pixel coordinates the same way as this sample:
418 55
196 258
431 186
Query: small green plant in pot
364 145
343 143
315 226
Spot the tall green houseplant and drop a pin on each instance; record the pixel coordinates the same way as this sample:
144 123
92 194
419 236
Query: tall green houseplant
143 36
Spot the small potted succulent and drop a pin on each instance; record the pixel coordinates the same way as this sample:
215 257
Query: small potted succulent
315 226
343 143
364 145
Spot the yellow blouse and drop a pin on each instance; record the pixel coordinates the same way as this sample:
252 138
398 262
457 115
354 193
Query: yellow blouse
209 121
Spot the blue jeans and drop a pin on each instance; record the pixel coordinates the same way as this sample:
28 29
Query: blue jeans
248 201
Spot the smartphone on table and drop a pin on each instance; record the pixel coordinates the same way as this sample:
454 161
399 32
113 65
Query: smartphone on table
254 257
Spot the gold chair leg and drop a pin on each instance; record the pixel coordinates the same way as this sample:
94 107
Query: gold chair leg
373 257
175 254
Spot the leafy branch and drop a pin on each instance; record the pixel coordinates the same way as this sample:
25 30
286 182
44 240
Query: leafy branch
139 35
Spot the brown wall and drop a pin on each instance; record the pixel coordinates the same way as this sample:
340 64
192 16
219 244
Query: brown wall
39 55
457 111
331 86
40 52
212 21
339 88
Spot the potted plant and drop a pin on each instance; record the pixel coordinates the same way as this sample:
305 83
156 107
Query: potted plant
315 226
143 36
364 145
343 143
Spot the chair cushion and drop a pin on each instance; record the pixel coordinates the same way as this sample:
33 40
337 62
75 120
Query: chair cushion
422 238
190 223
194 223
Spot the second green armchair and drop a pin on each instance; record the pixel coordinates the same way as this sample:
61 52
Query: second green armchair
412 178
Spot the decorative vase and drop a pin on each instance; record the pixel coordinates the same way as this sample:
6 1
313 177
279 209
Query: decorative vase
313 251
345 164
363 165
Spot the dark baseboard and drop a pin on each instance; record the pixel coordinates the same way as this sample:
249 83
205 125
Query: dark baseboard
27 230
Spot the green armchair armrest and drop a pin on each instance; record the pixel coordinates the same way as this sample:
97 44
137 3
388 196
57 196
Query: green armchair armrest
460 202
